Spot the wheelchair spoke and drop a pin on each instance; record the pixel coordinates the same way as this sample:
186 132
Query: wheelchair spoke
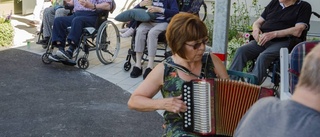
105 49
107 42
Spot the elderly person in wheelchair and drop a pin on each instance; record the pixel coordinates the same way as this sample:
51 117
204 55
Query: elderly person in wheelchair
280 23
85 15
164 10
57 9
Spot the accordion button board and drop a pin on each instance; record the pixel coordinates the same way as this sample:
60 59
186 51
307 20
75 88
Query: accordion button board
197 93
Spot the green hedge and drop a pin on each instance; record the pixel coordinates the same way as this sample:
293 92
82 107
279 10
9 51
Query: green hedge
6 33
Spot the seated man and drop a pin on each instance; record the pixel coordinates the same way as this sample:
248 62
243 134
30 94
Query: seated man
85 15
56 10
280 20
296 117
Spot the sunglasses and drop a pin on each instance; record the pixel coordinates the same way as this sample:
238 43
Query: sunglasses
197 45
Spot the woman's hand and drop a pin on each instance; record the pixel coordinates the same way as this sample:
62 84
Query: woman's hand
175 104
153 9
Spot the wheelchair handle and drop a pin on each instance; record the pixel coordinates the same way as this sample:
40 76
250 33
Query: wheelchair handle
316 14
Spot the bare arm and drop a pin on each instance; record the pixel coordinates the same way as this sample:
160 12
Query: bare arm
293 31
141 98
219 67
256 28
104 6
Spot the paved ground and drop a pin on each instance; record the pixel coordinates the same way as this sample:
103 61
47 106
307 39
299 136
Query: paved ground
56 100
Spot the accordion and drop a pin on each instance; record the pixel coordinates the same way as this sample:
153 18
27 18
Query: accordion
215 106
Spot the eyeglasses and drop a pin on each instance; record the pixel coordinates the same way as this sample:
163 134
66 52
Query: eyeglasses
197 45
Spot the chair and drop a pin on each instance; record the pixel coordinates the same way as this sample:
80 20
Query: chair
291 66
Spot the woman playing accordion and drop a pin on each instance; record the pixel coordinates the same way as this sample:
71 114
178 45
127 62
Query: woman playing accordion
187 36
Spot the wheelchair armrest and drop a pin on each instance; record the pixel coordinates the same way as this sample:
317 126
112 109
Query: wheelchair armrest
246 77
102 16
68 7
315 14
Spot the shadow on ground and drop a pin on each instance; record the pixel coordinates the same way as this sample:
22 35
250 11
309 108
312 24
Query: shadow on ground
57 100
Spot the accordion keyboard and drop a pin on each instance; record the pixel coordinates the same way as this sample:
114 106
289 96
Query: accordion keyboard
198 114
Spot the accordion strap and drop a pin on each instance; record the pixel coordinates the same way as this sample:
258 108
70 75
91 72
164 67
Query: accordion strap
181 68
187 71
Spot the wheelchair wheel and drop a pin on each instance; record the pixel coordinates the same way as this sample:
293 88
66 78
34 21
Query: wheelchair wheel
107 42
203 11
45 58
127 66
83 63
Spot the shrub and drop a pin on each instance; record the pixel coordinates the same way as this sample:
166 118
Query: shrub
6 31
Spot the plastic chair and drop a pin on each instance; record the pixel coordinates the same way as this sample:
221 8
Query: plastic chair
290 66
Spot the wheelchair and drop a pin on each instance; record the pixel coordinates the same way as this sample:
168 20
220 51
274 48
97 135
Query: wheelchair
104 38
163 50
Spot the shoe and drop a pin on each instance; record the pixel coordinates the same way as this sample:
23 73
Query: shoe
70 53
128 33
69 62
45 46
123 30
54 58
146 72
63 54
43 42
136 72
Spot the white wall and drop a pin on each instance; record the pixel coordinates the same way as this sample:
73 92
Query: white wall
28 6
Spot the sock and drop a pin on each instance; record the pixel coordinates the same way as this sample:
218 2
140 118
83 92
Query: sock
150 62
71 48
138 59
60 47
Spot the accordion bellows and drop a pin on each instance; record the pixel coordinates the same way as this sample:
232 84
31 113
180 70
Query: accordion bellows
215 106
